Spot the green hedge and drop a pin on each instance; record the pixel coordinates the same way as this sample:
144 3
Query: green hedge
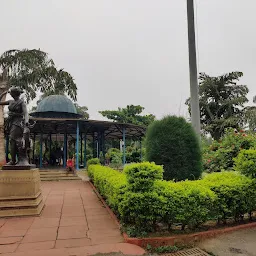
189 203
245 162
236 194
93 161
109 182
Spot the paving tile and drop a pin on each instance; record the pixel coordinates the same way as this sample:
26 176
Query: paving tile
102 224
100 217
73 221
72 232
128 249
42 222
69 243
18 223
40 235
51 213
103 233
2 222
10 240
96 211
36 246
13 232
76 212
51 252
107 239
8 248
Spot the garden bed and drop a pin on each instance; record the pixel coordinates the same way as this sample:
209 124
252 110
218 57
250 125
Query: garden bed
157 212
178 237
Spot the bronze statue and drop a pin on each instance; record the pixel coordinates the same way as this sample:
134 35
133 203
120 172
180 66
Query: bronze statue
17 126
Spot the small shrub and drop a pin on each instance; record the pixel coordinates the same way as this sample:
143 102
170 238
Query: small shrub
141 176
141 209
189 203
245 163
93 161
172 142
116 161
234 193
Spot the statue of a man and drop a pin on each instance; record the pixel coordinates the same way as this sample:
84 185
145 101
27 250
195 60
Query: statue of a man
17 126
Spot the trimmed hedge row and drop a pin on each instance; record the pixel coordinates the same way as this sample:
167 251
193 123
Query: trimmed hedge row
109 182
142 203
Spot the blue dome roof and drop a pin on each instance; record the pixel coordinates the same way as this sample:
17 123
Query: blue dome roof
56 106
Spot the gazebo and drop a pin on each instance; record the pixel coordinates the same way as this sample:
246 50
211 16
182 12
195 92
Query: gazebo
57 116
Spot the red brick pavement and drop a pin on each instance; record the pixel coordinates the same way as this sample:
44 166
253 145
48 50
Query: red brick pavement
73 222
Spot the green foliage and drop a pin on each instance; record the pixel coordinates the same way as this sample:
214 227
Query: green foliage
33 72
219 155
245 163
221 102
131 114
249 117
93 161
82 110
141 177
109 182
166 249
236 194
142 209
116 160
189 203
172 142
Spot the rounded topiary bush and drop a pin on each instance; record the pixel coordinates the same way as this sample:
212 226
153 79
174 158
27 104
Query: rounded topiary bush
172 142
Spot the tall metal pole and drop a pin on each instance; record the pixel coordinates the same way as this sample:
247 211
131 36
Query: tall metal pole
194 90
124 146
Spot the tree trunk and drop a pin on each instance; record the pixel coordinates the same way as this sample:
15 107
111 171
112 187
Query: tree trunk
3 87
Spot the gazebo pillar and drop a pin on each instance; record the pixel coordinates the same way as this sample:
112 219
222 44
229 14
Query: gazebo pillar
85 150
81 148
65 156
124 157
94 147
77 145
50 146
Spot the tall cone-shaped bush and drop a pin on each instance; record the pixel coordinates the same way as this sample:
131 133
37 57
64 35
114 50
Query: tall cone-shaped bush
172 142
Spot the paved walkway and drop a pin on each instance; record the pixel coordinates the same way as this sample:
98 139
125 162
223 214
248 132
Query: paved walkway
238 243
73 222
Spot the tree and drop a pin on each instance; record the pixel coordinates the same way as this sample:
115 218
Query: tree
221 102
131 114
33 72
249 116
82 110
173 143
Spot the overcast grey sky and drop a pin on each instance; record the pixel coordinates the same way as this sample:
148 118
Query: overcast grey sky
134 51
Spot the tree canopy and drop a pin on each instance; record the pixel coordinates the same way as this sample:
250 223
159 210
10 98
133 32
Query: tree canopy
33 71
82 110
221 102
131 114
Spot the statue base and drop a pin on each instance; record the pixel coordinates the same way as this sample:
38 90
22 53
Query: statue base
20 193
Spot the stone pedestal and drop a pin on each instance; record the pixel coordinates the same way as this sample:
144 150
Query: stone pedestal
20 193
